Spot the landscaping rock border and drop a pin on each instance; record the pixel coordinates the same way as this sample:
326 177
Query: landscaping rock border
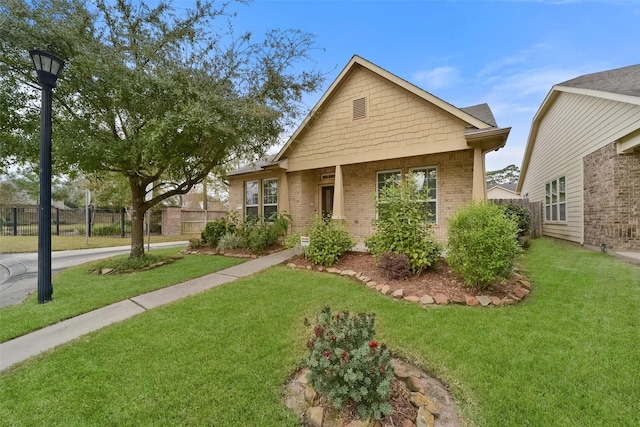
520 292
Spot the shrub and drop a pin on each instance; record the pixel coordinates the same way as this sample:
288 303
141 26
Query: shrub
396 266
229 241
328 240
520 215
403 226
482 244
215 229
258 235
292 240
346 364
106 230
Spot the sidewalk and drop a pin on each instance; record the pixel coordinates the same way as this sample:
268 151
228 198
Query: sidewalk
21 348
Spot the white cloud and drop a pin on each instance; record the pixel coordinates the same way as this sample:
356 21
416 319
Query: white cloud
437 78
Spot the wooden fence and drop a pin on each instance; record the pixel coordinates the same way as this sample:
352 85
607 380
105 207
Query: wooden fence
194 221
535 208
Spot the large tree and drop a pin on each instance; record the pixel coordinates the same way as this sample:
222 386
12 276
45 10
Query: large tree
506 175
152 93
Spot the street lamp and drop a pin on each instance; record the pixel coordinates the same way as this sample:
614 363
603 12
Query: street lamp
48 67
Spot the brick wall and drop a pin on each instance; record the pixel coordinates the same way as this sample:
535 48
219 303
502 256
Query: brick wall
612 198
455 174
172 221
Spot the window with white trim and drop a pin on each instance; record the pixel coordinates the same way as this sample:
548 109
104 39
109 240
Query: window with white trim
251 199
426 184
555 202
426 178
269 197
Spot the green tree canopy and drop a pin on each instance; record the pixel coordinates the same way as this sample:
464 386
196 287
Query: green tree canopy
152 93
507 175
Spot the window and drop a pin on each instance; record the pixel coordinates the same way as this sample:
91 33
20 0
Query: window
555 203
426 184
388 176
269 197
251 199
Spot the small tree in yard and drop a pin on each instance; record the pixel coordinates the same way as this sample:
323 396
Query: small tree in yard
483 244
403 225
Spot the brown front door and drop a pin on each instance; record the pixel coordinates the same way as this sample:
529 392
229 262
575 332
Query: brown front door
327 201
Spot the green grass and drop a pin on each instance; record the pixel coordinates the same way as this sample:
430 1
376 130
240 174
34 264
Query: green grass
566 356
76 291
20 244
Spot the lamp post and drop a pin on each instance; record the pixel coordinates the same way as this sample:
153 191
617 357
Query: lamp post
48 67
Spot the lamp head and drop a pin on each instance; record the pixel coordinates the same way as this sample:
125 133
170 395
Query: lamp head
48 66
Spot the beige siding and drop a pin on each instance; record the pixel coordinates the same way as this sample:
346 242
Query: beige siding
398 124
501 193
574 126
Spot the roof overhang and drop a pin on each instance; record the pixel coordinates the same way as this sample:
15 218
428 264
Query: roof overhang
487 139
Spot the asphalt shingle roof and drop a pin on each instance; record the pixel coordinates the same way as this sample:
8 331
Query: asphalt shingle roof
481 112
623 81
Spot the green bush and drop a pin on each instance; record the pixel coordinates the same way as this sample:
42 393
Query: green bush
292 240
328 240
258 235
520 215
347 366
215 229
106 230
229 241
403 226
482 244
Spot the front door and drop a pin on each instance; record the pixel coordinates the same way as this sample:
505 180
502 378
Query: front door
327 201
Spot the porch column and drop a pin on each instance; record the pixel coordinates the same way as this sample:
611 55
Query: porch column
338 195
479 191
283 197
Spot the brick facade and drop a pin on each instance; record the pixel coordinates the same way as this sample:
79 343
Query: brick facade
454 177
612 198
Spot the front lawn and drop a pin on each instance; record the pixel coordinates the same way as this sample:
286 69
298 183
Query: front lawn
77 291
566 356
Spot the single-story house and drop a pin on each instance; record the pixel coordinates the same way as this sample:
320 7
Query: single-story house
582 159
502 191
369 126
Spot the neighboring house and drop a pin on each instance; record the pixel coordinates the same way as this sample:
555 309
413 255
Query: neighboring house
502 191
582 159
369 126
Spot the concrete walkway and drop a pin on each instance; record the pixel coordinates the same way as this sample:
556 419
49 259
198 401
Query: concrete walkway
21 348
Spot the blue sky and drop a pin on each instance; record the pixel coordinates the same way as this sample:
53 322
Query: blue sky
505 53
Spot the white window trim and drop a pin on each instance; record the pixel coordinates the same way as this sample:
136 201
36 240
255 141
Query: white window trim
268 204
435 218
246 205
557 204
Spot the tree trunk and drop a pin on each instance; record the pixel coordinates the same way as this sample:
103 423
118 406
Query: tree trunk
137 219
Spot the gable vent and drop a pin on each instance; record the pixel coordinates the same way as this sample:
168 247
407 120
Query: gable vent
359 108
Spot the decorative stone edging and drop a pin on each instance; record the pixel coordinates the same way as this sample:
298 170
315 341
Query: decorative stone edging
518 294
427 395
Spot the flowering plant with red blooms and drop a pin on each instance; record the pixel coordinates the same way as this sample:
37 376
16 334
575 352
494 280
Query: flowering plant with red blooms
347 365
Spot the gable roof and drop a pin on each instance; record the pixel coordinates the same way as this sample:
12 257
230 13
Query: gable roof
482 112
623 81
357 61
619 84
508 186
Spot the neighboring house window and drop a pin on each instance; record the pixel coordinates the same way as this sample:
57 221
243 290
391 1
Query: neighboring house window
251 199
555 205
426 183
269 197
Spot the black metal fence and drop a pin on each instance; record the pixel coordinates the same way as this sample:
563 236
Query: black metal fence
23 221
